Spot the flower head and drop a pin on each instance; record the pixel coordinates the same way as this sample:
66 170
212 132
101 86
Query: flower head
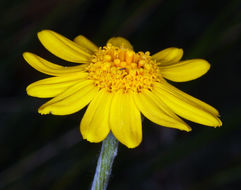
118 84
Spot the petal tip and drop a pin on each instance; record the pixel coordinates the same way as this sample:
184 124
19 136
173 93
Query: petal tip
39 34
26 55
43 110
91 138
188 129
43 113
120 42
43 32
28 90
217 122
179 50
220 123
206 64
184 127
132 146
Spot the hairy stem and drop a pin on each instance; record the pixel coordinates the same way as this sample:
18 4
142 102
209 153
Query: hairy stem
104 165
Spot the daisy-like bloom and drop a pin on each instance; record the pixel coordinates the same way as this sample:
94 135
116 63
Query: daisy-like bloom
118 85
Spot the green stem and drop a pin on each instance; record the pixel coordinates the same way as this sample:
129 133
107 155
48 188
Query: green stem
103 170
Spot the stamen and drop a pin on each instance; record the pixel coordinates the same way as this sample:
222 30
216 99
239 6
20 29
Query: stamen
115 69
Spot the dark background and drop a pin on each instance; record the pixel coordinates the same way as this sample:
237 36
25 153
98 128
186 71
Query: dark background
47 152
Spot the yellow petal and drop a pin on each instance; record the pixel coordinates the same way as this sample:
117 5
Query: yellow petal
63 47
49 68
186 109
53 86
120 42
125 120
156 111
168 56
71 100
189 98
85 43
185 70
94 126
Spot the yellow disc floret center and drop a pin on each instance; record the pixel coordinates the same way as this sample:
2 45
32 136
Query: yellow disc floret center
115 69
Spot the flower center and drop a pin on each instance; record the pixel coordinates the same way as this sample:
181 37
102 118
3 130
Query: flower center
115 69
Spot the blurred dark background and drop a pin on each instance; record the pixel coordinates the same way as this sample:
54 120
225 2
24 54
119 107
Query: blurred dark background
47 152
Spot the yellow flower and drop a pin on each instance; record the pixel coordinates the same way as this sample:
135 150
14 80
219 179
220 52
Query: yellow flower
118 84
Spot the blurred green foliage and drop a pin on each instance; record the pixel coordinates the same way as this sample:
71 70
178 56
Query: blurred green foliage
47 152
